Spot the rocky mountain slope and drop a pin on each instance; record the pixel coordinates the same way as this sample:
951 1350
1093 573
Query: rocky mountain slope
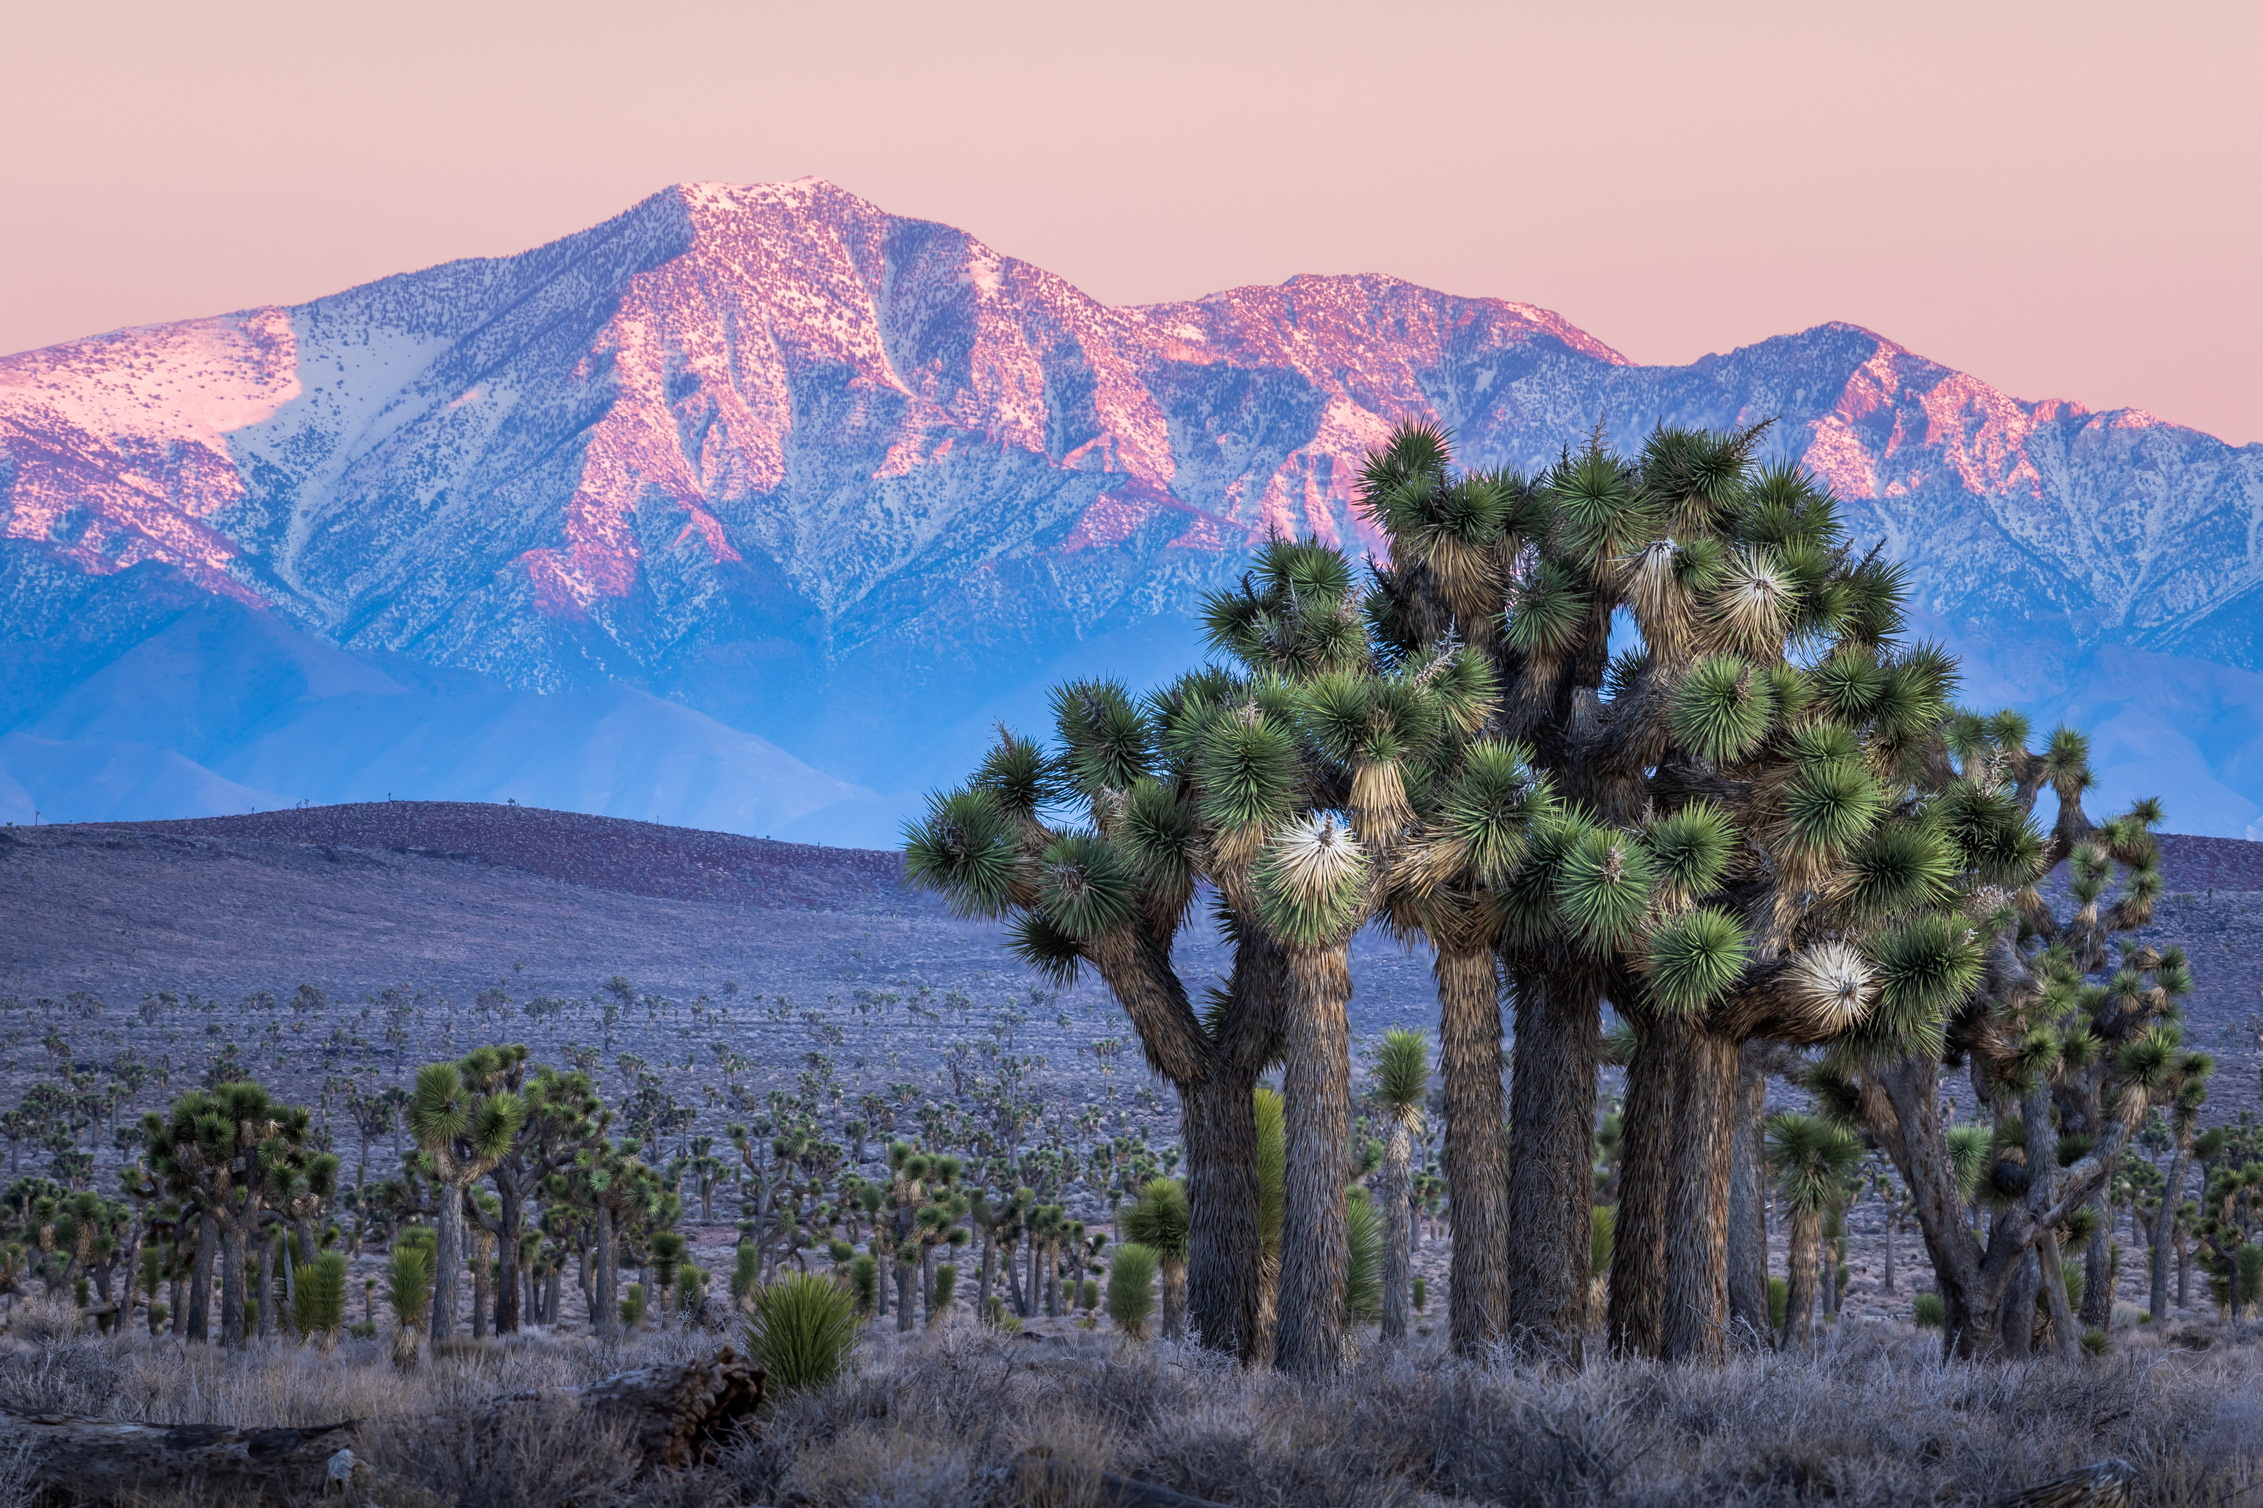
795 497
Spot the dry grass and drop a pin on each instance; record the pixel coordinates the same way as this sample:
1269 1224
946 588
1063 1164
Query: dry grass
953 1418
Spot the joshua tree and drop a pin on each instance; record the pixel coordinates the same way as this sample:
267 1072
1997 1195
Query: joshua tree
464 1121
2190 1090
621 1194
1402 1082
1284 787
988 849
562 1118
2068 1068
1158 1220
220 1148
1757 1062
1812 1159
1723 828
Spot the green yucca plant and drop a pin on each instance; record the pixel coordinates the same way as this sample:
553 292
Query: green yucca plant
803 1330
691 1289
319 1307
1930 1311
746 1271
946 1290
1131 1284
1363 1269
864 1283
408 1290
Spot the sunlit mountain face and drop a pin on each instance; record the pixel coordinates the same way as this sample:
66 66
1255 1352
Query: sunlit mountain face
756 507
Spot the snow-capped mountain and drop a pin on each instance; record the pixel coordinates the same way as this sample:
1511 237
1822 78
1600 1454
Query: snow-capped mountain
783 470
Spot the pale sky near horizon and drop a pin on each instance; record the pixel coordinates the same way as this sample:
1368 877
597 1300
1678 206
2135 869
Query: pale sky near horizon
2062 199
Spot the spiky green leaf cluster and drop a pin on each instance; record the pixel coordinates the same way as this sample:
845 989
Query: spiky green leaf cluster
1723 708
966 850
1694 959
1311 880
1602 888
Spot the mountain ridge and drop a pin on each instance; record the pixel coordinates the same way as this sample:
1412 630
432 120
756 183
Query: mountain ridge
856 483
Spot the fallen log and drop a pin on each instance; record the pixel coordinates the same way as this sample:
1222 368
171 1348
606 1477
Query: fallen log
2104 1485
673 1416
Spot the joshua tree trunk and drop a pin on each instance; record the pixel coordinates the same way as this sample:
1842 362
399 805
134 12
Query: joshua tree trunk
1174 1300
605 1311
507 1231
1695 1323
1551 1184
2164 1221
447 1258
1477 1178
406 1339
267 1298
483 1247
1225 1272
231 1285
1799 1285
988 1275
1748 1203
2098 1268
200 1280
1638 1243
1316 1094
904 1305
2015 1321
1392 1184
2063 1321
2042 1184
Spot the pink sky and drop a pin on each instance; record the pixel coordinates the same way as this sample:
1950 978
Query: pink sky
2061 198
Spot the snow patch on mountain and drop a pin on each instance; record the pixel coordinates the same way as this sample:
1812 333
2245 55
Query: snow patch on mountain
837 479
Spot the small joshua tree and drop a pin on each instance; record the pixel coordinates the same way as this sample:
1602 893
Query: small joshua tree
1812 1159
223 1149
464 1122
1158 1220
1402 1081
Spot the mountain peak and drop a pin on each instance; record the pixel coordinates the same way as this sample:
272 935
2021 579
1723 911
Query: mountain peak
771 450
